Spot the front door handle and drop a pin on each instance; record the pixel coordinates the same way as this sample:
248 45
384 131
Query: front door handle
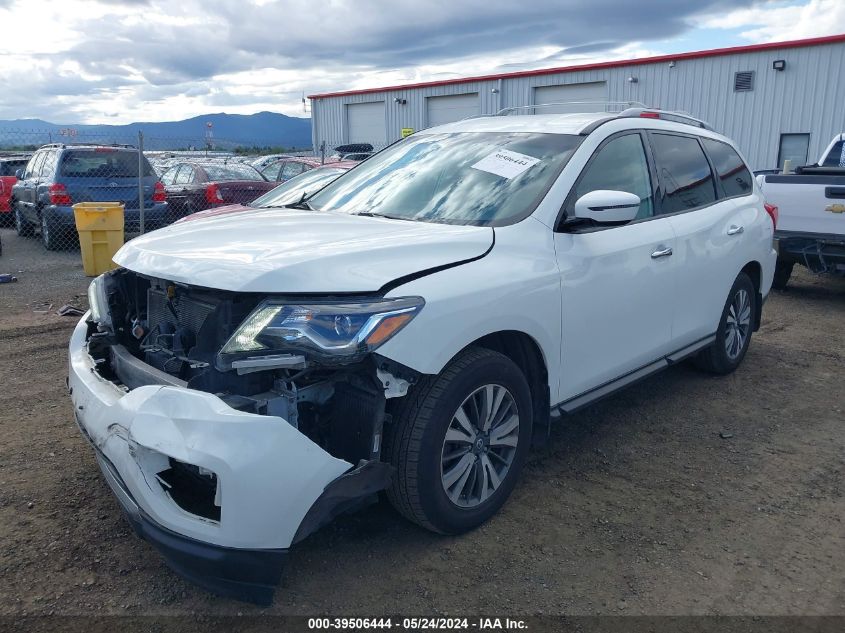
662 251
735 230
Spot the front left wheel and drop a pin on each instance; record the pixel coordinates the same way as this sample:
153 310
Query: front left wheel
458 442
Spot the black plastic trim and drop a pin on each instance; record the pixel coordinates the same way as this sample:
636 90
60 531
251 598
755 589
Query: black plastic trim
602 391
134 372
347 492
249 575
798 179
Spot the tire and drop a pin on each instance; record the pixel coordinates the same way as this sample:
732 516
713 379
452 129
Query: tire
783 271
732 341
425 459
23 227
51 237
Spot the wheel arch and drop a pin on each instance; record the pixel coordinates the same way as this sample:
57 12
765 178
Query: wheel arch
526 353
755 272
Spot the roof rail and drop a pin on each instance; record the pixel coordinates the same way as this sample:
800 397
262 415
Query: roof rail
618 105
666 115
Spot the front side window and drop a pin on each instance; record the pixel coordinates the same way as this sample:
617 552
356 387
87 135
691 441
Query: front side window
272 172
732 172
292 169
474 178
685 176
620 165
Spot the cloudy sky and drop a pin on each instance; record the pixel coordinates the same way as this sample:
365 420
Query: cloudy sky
118 61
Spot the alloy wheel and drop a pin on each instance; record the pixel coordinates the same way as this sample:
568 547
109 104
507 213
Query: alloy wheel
738 324
480 446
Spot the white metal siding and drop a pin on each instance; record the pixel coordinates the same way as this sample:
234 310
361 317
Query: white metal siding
594 91
365 123
451 108
807 97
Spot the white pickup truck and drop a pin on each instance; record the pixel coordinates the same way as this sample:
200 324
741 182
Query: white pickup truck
811 214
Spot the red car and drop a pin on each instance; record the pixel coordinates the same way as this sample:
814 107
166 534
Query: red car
197 185
290 192
286 168
8 166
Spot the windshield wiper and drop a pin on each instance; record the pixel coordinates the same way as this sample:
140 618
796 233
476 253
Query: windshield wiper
302 203
370 214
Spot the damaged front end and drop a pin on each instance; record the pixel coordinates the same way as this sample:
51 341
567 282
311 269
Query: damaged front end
234 421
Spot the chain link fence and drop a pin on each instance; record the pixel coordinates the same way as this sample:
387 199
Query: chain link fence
158 180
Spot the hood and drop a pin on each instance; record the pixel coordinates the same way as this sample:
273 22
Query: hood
290 251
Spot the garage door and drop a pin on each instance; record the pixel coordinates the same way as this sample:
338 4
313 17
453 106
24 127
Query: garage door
452 108
365 123
595 91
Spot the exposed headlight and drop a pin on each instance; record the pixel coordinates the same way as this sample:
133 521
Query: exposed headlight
98 303
328 332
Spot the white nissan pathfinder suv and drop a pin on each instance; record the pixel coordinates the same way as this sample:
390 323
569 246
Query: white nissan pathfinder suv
245 378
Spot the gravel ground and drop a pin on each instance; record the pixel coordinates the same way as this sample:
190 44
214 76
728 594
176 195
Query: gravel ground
686 494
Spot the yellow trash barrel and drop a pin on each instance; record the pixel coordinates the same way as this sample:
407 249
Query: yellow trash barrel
100 227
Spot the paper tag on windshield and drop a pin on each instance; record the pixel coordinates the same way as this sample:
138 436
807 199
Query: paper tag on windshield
505 163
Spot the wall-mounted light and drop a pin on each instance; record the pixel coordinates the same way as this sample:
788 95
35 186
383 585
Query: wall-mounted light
633 80
400 101
672 64
779 64
495 91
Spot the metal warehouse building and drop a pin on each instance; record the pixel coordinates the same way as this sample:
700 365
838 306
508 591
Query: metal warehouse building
783 100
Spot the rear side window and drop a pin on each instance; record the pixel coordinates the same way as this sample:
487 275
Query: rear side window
732 172
48 167
102 163
685 176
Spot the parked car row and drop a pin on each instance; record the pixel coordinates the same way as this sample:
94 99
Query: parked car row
37 193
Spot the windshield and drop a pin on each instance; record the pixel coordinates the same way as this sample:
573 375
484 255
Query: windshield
477 178
294 189
232 171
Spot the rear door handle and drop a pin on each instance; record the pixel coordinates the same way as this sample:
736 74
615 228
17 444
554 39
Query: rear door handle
735 230
662 251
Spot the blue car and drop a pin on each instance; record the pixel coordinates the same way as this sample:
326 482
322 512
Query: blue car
58 176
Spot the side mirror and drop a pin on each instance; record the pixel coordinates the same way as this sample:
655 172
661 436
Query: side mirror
19 174
604 205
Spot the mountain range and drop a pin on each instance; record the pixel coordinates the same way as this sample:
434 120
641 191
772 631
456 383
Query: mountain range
227 131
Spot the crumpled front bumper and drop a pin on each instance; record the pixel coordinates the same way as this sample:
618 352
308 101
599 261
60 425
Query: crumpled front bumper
269 475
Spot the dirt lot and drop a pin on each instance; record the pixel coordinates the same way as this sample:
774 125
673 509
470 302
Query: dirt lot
686 494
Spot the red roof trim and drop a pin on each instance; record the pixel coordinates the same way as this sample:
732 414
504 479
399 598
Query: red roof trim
716 52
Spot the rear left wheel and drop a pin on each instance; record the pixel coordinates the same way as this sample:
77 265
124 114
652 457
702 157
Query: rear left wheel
458 442
51 237
733 335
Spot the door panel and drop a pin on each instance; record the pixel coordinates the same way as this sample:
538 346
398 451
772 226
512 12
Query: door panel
617 282
711 239
617 301
711 251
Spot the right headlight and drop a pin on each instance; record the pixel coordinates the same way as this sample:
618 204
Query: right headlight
327 332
